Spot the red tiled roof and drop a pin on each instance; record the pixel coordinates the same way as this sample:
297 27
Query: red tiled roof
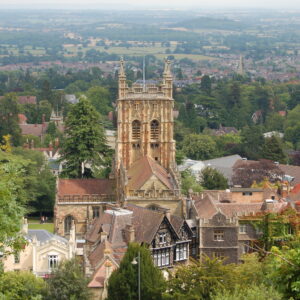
143 169
27 99
85 187
296 189
34 129
205 207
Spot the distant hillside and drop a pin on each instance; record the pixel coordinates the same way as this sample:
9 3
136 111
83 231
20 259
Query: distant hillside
210 23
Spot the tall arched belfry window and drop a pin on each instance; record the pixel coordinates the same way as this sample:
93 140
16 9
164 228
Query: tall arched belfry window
68 224
136 130
154 129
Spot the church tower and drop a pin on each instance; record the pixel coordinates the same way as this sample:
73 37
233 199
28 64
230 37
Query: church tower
145 148
145 121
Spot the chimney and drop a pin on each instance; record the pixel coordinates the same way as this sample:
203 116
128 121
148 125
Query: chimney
103 236
43 120
129 234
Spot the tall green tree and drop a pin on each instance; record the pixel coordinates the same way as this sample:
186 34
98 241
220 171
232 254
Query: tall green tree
272 149
100 98
206 84
123 282
199 146
211 179
9 120
68 282
85 142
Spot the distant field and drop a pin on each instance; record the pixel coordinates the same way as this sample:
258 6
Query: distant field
157 51
190 56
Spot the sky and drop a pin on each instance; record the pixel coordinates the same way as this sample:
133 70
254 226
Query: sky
123 4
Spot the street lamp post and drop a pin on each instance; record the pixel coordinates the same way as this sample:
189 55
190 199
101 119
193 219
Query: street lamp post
137 261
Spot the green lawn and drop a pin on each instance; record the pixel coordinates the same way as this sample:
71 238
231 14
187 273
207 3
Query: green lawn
35 224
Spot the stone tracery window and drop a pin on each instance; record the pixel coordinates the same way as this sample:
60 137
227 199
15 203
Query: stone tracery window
154 126
136 130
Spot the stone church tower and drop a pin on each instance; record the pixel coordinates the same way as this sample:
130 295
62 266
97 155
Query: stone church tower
145 166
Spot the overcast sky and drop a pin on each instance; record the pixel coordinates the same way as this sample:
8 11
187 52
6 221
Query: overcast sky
287 4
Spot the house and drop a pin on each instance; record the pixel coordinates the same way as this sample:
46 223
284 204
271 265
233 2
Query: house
168 238
42 252
27 100
226 229
224 130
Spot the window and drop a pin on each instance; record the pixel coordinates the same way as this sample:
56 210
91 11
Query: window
154 145
245 248
218 235
136 106
219 255
136 130
136 146
243 228
181 252
52 261
154 129
247 193
68 224
17 257
161 257
154 106
96 212
162 238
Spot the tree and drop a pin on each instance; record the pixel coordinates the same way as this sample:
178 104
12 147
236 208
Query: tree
189 182
100 98
9 120
85 142
200 147
12 200
206 84
123 282
272 150
255 292
285 271
199 280
21 286
39 182
247 173
213 180
252 141
68 282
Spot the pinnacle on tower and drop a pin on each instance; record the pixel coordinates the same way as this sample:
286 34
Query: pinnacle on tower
121 69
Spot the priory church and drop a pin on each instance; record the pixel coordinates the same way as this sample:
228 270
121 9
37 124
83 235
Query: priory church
144 169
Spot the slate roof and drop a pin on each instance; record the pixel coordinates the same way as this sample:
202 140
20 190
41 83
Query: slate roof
146 222
293 171
85 187
143 169
44 236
